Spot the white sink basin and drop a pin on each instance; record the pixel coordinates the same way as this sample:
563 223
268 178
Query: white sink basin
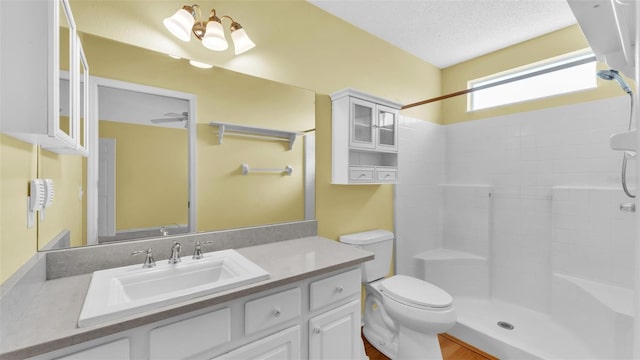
126 290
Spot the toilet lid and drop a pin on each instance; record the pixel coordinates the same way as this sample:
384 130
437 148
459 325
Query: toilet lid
416 292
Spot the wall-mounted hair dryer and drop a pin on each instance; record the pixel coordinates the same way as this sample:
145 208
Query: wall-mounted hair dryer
614 75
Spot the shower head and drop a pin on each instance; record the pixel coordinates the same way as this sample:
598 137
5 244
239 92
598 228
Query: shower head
614 75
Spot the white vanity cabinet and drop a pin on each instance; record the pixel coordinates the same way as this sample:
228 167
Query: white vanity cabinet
37 105
364 138
316 318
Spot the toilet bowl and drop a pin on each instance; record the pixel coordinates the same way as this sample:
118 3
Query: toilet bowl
403 315
421 311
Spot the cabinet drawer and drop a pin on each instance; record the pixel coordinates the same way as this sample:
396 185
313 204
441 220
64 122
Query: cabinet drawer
361 174
284 345
386 175
192 336
335 288
114 350
271 310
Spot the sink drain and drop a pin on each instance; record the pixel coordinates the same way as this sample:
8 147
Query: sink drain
506 325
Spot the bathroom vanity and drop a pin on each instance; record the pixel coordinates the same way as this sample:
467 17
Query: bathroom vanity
308 308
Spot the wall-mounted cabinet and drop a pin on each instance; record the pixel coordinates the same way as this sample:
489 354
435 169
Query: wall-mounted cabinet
364 139
41 72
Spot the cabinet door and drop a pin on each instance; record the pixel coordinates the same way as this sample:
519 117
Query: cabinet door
387 129
284 345
63 125
83 103
362 123
336 333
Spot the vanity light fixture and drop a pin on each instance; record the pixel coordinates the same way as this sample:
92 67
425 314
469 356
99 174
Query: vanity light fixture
210 32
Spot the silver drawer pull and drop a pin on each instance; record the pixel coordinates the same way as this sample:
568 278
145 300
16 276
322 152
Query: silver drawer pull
388 175
362 175
339 289
628 207
316 331
276 313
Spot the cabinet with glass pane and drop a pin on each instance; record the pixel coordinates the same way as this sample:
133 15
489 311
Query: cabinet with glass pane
41 74
365 138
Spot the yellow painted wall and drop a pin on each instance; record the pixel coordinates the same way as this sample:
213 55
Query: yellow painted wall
66 212
296 43
152 182
555 44
18 165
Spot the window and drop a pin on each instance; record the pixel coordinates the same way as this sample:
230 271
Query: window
543 79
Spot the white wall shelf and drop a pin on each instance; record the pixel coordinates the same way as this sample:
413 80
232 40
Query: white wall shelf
250 131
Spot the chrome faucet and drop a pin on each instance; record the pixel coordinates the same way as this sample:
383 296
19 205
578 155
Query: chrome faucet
175 253
197 253
163 231
149 262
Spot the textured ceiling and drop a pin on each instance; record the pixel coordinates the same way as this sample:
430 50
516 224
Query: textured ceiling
447 32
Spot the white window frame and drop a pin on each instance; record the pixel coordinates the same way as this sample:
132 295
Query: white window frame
566 63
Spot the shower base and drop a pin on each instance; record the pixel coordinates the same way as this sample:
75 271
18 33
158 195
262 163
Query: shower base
534 336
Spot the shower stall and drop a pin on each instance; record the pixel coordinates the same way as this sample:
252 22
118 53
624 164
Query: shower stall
519 218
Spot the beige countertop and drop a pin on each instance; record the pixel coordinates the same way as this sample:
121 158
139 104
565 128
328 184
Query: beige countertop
50 321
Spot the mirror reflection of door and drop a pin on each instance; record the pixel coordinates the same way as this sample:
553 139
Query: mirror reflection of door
107 187
143 172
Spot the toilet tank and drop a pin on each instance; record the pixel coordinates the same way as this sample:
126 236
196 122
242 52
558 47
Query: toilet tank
380 242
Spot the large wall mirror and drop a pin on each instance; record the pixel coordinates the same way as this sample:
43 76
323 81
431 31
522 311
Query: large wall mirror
145 140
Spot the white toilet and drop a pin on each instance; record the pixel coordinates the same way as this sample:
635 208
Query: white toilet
403 315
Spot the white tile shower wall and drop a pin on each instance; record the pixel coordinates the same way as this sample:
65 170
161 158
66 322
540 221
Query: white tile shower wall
466 211
522 156
521 245
591 238
527 153
418 198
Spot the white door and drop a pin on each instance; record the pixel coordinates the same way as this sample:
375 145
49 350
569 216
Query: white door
336 334
107 187
284 345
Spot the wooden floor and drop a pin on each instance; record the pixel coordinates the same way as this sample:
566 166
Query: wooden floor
452 349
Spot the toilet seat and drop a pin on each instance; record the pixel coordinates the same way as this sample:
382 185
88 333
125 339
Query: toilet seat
415 292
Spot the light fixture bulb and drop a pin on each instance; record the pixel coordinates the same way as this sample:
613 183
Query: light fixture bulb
200 64
214 36
180 24
241 41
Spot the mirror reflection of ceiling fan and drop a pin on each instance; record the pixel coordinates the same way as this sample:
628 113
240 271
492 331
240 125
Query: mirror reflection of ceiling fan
173 117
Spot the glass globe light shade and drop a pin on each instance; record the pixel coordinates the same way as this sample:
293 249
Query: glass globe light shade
180 24
214 37
241 41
